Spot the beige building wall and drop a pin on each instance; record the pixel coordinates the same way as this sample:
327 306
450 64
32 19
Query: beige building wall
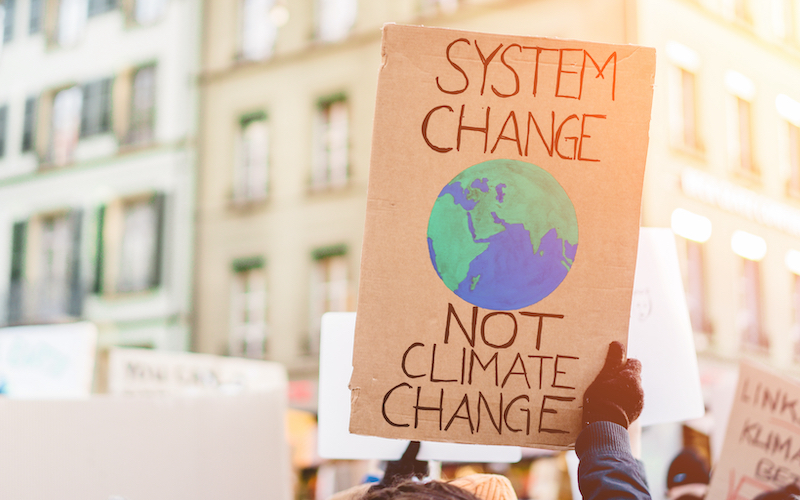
722 41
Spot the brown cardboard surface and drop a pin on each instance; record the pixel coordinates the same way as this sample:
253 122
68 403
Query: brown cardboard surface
761 451
158 448
561 112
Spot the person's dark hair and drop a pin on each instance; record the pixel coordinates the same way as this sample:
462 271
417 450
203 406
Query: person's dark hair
414 490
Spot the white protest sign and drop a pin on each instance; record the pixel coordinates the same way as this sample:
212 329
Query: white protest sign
334 438
48 361
660 333
155 448
761 451
137 371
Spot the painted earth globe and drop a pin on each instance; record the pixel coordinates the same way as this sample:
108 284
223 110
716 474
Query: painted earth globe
502 234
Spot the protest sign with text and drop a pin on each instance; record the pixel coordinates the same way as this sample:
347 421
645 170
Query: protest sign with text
481 317
761 451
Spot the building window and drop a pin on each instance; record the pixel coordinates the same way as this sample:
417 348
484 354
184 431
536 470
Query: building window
29 125
794 159
35 21
148 11
248 309
96 108
335 18
784 21
66 124
3 127
19 239
431 7
8 20
332 144
751 249
139 262
54 262
750 308
329 288
683 109
100 6
251 172
738 10
740 126
258 31
143 106
696 287
745 139
55 291
741 10
71 20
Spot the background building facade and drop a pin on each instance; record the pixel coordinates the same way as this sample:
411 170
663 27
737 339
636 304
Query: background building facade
97 120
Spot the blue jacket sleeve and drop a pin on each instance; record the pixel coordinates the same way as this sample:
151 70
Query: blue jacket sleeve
607 469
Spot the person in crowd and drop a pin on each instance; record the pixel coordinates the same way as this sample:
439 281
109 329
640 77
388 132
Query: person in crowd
688 476
607 467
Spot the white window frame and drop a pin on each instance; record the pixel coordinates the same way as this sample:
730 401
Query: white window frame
138 245
750 317
66 124
143 105
248 335
147 12
251 165
332 144
72 17
741 92
335 19
330 292
258 33
54 260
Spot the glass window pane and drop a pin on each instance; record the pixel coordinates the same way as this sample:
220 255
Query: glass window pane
8 20
148 11
335 18
71 20
66 124
36 16
139 246
143 104
258 33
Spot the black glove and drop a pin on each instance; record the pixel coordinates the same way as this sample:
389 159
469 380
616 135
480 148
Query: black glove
616 394
788 492
408 466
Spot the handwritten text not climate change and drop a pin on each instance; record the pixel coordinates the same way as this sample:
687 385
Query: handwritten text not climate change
456 362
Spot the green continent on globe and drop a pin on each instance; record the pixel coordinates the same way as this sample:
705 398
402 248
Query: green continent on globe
502 234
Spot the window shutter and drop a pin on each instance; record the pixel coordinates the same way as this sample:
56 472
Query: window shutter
160 205
75 292
15 289
29 125
3 127
104 120
99 252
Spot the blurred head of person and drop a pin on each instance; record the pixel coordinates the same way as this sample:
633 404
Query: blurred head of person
471 487
688 476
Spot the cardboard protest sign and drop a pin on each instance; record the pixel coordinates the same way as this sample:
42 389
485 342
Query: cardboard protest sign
48 361
333 437
158 448
660 333
148 371
761 451
500 239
